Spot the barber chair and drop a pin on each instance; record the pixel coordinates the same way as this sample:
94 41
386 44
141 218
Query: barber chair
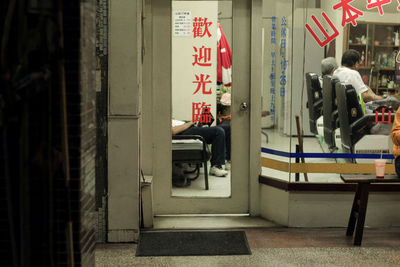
314 102
330 112
191 149
355 127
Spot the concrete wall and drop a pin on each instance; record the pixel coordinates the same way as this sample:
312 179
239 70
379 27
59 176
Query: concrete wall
88 132
125 65
274 205
147 97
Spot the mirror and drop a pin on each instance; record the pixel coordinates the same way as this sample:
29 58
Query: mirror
201 98
307 93
275 91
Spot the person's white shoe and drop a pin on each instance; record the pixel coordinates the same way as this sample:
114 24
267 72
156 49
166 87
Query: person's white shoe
214 170
228 165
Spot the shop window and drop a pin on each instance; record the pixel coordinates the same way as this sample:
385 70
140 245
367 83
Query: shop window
300 150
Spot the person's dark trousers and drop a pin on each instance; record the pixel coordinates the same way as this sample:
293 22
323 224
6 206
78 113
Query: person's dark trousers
227 129
214 136
397 166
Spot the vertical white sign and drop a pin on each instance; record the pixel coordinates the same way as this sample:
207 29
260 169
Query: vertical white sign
194 57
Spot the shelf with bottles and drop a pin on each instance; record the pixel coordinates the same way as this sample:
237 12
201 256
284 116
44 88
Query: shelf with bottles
386 35
387 88
385 81
356 45
385 59
378 45
386 46
387 91
381 69
360 35
372 40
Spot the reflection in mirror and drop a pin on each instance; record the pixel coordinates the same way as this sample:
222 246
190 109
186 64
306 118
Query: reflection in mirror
353 127
201 98
275 95
339 123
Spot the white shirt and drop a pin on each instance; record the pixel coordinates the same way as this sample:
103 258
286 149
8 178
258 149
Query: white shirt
352 77
177 123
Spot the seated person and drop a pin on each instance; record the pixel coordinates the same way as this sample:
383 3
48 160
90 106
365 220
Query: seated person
218 136
328 66
348 73
395 134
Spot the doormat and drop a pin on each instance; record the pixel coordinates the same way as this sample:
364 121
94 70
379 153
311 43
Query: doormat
199 243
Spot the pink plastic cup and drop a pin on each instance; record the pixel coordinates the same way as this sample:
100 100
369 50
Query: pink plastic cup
380 168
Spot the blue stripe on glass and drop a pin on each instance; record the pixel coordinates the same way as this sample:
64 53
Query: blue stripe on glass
325 155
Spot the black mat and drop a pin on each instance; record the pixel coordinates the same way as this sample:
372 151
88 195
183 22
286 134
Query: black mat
199 243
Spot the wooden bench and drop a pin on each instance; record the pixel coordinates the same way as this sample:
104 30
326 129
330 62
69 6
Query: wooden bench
359 208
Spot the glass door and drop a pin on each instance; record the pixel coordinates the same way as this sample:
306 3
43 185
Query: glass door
201 59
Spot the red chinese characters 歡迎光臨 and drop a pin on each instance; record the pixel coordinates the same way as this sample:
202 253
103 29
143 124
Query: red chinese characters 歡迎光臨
202 56
201 82
200 27
201 112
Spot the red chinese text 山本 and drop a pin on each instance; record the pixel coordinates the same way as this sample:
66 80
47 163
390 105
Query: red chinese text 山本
328 37
389 120
350 13
378 3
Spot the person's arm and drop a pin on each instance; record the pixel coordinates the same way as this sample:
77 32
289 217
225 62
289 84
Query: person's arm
395 134
181 128
358 84
370 96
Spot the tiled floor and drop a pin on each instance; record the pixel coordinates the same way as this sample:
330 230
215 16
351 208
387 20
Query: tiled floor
218 186
320 237
279 247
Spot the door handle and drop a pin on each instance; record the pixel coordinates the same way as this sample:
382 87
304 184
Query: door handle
244 106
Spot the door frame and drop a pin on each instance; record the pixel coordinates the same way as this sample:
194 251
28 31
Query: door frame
246 36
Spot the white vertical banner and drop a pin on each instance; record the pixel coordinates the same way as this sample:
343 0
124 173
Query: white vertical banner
194 58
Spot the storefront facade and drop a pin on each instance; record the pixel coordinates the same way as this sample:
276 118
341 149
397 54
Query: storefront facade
272 50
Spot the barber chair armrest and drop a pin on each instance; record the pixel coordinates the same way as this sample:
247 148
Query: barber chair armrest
335 118
369 120
188 137
318 103
317 107
192 137
363 124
